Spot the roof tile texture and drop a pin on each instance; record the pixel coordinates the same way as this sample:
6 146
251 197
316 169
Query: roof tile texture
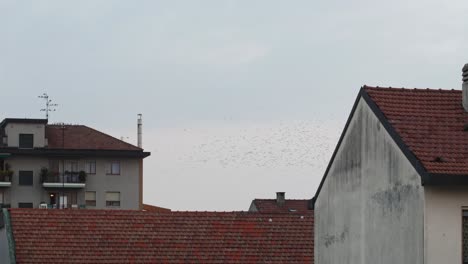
111 236
83 138
289 206
430 122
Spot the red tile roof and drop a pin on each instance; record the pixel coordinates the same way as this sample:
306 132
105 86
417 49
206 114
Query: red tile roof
83 138
270 206
108 236
430 123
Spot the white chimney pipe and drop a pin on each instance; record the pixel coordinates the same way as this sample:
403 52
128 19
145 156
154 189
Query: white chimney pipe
465 87
140 132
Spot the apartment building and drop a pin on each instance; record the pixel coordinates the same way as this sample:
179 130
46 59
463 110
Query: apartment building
67 166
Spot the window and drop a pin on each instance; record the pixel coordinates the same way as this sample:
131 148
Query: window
90 167
25 205
113 168
113 199
465 236
71 166
26 140
25 177
90 198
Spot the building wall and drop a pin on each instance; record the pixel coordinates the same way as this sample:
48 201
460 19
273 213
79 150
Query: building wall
444 207
127 183
13 130
4 246
26 194
371 206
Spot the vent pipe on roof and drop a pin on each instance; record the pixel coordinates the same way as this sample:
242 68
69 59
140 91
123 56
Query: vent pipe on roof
140 132
465 87
280 198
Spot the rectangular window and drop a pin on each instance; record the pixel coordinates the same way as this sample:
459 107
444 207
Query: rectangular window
465 236
71 166
25 177
113 199
113 168
90 167
25 205
26 140
90 198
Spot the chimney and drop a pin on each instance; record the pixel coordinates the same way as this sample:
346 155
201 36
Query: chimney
465 87
140 133
280 198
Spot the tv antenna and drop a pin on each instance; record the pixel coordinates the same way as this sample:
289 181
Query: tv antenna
50 107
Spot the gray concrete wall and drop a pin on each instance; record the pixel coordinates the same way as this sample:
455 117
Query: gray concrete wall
26 194
127 183
4 248
12 131
444 206
371 207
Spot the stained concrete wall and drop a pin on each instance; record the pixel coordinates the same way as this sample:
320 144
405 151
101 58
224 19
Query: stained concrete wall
13 130
444 206
4 247
371 207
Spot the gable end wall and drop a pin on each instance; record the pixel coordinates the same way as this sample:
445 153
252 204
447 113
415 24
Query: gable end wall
371 205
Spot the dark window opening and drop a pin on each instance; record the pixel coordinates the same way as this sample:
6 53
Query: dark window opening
26 140
25 177
25 205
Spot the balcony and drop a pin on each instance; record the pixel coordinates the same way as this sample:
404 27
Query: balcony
64 180
5 178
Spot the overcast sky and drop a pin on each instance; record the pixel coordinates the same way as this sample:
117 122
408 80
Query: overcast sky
240 99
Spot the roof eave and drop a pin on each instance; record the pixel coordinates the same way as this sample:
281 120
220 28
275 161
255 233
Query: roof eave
443 179
76 152
23 121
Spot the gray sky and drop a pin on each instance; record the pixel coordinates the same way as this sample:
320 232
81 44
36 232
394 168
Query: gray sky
240 99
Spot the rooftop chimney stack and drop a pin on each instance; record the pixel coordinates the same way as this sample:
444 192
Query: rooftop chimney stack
280 198
465 87
140 133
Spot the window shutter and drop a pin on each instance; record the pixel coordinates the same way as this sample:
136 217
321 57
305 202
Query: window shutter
90 196
113 196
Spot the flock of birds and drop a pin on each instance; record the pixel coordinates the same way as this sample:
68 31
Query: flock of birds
305 144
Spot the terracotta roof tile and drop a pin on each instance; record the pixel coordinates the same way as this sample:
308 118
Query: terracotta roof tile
289 206
111 236
431 124
83 138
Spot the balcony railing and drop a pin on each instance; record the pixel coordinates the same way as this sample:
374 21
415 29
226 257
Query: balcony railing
66 180
5 179
62 206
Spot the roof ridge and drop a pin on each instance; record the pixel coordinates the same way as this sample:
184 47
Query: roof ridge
399 89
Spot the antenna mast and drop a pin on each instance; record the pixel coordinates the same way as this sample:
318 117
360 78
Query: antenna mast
50 107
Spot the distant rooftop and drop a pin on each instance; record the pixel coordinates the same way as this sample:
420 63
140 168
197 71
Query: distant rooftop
115 236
